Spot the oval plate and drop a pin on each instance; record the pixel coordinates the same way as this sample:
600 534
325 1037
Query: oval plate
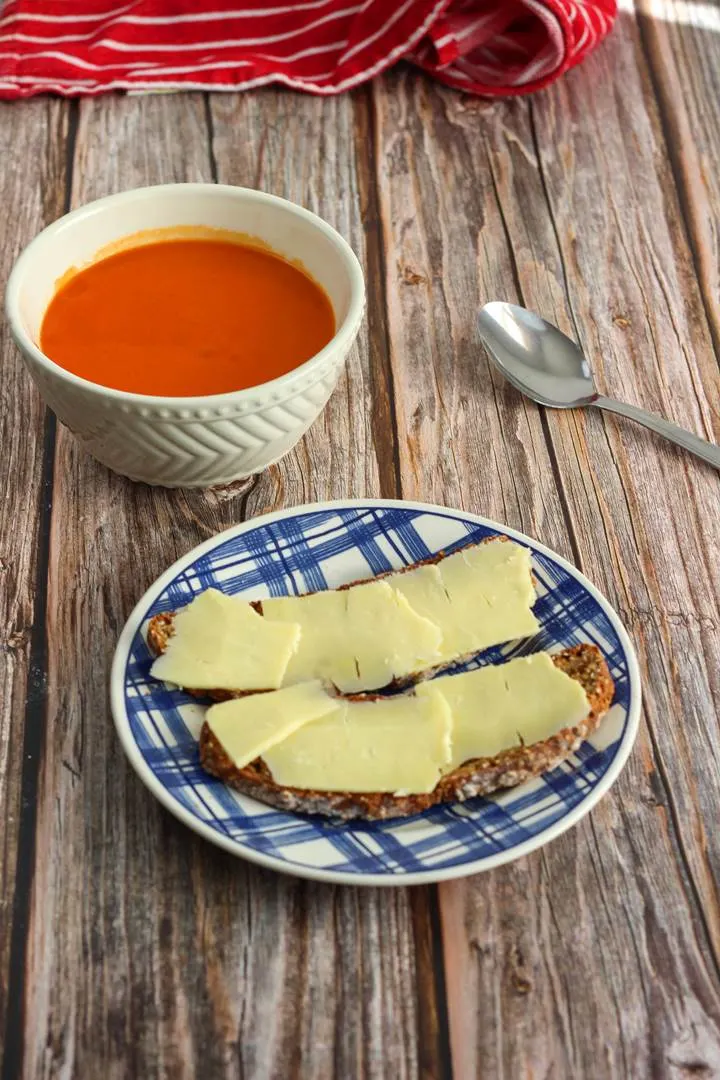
323 546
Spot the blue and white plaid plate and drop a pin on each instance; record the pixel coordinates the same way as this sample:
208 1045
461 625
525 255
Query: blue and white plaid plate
322 546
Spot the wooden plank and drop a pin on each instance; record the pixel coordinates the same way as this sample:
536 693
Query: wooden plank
151 952
462 441
682 46
32 192
568 204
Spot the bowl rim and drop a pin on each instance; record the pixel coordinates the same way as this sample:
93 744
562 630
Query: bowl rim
342 338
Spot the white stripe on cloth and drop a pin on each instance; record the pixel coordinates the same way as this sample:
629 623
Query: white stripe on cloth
398 14
68 58
163 20
125 46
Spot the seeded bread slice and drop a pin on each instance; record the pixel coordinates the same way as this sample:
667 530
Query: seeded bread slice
162 627
481 776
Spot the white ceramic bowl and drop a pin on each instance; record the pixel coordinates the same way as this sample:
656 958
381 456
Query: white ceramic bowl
188 441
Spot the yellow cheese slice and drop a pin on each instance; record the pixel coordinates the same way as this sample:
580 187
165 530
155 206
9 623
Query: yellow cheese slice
248 727
397 744
221 642
495 708
478 597
359 638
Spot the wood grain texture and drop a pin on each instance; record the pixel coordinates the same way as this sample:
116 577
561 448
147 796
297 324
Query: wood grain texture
569 202
461 435
682 46
33 184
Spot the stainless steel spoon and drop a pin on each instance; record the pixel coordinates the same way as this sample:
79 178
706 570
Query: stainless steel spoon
540 361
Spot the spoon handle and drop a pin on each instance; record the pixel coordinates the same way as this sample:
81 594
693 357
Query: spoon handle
700 447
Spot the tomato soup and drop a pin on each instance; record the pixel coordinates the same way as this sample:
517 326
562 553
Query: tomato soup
186 317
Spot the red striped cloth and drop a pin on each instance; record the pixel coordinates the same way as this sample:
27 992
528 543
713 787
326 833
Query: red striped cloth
491 47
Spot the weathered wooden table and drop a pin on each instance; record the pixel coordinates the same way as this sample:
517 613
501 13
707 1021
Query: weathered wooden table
131 948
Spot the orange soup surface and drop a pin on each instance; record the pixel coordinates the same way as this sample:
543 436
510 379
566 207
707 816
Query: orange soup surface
186 317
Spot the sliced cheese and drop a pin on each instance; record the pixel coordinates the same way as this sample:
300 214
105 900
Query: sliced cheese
359 639
221 642
397 744
495 708
248 727
478 597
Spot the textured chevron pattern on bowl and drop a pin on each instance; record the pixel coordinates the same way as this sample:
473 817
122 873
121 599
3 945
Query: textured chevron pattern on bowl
177 446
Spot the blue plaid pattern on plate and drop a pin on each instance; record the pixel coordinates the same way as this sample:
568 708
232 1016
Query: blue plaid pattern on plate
317 548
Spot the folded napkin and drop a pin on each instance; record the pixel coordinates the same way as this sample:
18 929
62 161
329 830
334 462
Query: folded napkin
492 47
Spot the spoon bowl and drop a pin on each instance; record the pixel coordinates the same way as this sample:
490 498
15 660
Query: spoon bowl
536 357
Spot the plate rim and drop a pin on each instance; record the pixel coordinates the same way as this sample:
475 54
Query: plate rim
302 870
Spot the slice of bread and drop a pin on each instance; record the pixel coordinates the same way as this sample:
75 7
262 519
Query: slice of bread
481 776
162 627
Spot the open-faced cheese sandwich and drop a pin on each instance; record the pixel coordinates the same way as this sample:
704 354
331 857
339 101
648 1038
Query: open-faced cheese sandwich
370 635
304 748
298 729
